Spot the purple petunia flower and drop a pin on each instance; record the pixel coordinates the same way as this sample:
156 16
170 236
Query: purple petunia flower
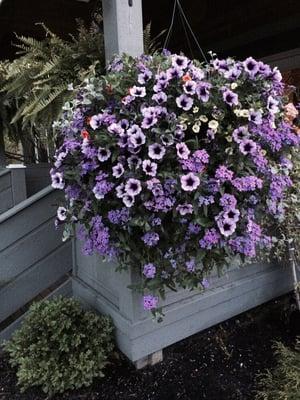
149 167
227 227
103 154
57 179
133 187
190 87
185 209
137 139
203 91
133 130
189 182
150 239
239 134
61 213
183 151
179 61
137 91
231 214
115 128
247 146
185 102
174 73
118 170
160 97
230 97
251 66
144 76
149 270
128 200
255 117
120 191
134 162
96 121
156 151
272 105
150 302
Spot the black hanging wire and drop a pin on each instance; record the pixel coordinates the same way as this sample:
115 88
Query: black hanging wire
186 25
171 26
186 35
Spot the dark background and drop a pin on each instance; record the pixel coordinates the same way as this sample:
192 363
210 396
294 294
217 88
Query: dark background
231 27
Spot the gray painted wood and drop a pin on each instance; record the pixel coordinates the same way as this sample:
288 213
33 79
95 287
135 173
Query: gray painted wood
6 199
27 216
37 177
65 289
18 184
32 255
98 285
123 28
12 187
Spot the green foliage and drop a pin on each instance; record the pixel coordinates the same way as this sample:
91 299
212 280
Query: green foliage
38 80
283 382
152 44
60 346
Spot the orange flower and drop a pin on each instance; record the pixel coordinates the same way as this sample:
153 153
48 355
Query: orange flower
88 119
186 78
85 134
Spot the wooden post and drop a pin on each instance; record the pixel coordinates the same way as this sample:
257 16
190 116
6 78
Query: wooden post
123 27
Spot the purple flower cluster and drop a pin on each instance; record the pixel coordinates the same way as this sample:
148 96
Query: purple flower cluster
166 162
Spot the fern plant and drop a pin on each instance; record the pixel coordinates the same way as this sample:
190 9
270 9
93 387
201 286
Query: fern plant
37 82
35 85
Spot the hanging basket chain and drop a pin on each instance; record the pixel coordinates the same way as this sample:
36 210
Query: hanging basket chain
186 24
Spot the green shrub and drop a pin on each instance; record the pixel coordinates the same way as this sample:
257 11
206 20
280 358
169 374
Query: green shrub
60 346
283 382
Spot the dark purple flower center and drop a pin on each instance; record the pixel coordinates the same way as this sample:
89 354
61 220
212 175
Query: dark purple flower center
190 181
226 227
133 186
229 97
250 65
248 147
183 103
231 214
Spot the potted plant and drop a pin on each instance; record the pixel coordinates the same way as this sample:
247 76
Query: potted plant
172 170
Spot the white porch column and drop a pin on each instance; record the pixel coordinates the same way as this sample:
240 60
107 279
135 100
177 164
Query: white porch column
123 27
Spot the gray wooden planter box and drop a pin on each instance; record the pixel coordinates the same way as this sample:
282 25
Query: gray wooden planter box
186 312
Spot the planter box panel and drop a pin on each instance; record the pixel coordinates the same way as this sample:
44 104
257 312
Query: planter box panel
186 312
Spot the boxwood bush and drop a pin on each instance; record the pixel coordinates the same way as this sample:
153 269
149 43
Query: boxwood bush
60 346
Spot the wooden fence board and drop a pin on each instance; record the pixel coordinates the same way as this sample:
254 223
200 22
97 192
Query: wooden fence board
65 289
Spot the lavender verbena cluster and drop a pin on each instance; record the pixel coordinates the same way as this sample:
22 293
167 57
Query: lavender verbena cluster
173 167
